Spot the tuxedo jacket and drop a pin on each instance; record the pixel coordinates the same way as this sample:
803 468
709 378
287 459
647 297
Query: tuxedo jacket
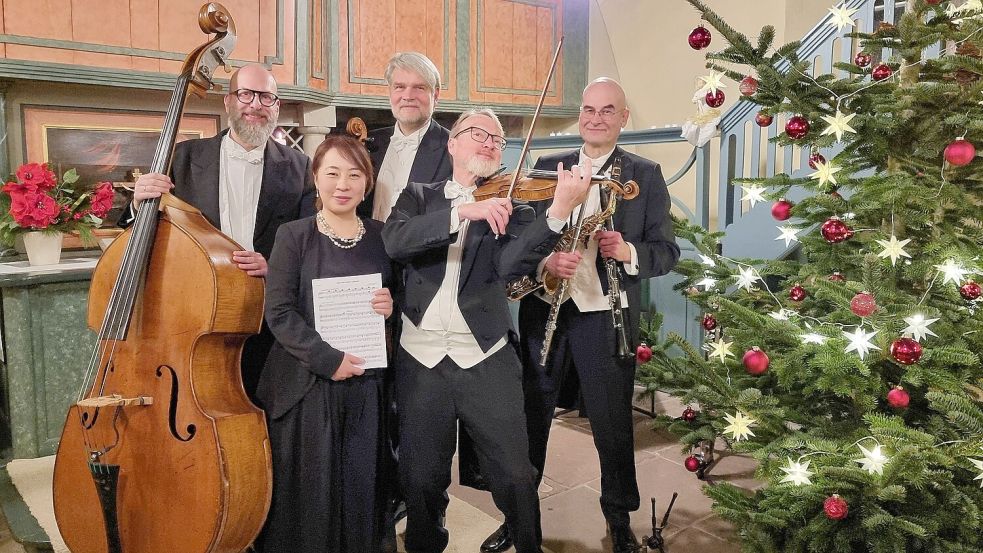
432 162
418 235
643 221
287 191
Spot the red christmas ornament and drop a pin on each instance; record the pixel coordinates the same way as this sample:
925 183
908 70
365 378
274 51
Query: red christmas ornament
835 195
835 231
862 59
933 2
643 353
898 398
689 415
836 507
755 361
881 72
782 209
692 464
699 38
763 119
863 305
797 293
959 153
970 290
797 127
748 86
709 322
837 277
906 351
715 100
815 158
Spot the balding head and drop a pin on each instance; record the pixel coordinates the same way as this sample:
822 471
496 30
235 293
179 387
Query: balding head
252 74
603 113
252 105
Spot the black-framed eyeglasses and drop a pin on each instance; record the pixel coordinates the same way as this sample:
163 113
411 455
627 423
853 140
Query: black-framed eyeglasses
246 96
480 135
605 113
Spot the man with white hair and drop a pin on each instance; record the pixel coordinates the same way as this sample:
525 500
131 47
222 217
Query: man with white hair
415 148
454 361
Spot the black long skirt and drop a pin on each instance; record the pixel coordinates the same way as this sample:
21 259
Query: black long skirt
326 459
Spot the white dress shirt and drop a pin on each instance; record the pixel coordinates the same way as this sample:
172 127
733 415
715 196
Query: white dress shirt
240 177
395 170
443 331
585 286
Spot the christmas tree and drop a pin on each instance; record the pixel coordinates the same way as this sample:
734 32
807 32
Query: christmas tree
852 373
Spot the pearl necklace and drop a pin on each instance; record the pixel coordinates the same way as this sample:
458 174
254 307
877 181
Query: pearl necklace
343 243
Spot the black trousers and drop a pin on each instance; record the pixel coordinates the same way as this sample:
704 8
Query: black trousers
487 400
585 343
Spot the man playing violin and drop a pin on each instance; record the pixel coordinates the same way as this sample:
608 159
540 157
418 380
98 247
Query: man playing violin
454 361
244 183
584 342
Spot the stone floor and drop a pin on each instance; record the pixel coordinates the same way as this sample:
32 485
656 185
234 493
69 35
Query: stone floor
572 520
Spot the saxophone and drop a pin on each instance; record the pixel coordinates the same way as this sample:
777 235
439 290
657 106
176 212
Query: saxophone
520 288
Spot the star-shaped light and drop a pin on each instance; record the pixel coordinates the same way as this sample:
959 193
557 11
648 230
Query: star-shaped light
842 17
712 82
873 460
788 234
918 327
707 282
824 172
839 124
860 342
979 467
707 260
782 314
797 473
813 338
753 194
747 278
740 426
721 349
894 248
952 272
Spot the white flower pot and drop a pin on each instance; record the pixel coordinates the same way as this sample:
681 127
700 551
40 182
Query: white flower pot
43 248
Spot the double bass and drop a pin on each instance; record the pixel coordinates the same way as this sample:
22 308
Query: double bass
163 451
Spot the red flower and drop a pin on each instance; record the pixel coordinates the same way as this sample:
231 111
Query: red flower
37 174
34 210
18 188
102 199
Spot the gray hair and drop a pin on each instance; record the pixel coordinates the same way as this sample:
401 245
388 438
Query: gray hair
414 62
473 112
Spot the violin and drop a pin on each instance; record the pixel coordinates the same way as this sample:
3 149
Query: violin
537 184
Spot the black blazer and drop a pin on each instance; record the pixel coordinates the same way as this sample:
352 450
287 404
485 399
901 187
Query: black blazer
432 162
643 221
286 193
417 234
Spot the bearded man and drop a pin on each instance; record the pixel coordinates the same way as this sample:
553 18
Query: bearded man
244 183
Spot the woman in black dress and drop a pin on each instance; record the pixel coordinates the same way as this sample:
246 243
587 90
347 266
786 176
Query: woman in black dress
324 409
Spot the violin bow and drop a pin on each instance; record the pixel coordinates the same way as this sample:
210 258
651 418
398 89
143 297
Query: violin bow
535 117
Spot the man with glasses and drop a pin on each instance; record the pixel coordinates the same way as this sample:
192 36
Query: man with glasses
415 148
244 183
584 343
454 363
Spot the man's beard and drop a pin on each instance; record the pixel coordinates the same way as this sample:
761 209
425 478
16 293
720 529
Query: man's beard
480 167
254 134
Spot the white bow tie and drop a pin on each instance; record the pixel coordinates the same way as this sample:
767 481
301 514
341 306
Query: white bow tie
399 144
454 191
248 157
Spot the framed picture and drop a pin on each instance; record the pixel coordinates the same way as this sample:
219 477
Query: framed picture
102 145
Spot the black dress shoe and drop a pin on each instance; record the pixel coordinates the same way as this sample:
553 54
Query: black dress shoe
623 539
500 540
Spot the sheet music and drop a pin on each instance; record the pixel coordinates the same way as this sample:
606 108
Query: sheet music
343 316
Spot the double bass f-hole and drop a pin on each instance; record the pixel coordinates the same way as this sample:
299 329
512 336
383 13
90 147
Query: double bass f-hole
172 406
